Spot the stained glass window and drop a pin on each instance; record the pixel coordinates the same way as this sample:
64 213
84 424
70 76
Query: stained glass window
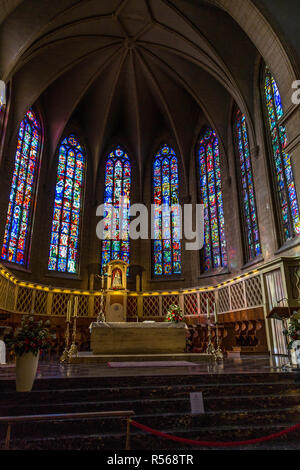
116 194
22 194
167 219
246 187
64 244
281 161
214 250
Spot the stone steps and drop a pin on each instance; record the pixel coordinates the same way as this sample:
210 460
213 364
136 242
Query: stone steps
144 441
174 421
154 405
237 406
148 391
145 380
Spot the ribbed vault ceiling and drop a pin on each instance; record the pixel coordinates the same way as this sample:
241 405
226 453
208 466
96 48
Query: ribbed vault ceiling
133 72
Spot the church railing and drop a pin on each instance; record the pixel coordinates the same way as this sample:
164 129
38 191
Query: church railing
242 292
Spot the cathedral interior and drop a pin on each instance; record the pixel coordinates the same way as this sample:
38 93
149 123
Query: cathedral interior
154 104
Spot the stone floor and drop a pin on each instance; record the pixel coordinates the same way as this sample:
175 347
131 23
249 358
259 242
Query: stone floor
243 399
244 365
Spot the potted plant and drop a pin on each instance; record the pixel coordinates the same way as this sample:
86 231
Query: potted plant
174 314
31 338
293 334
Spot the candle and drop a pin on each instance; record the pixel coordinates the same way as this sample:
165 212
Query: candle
216 315
208 308
68 311
75 306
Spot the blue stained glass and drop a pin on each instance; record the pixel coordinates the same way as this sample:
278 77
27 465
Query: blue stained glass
22 194
167 216
117 193
284 179
247 195
63 253
215 251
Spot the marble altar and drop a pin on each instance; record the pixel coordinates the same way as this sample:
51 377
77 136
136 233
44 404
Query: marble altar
138 338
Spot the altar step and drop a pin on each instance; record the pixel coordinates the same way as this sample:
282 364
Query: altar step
237 406
123 380
141 441
173 420
141 406
90 358
82 396
103 439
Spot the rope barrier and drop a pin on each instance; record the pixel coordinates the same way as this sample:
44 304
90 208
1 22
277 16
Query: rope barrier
213 443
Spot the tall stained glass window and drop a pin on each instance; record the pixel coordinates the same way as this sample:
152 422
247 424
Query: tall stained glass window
22 194
246 187
167 219
64 244
214 251
281 161
116 194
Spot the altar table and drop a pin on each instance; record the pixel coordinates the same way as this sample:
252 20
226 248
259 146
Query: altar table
138 338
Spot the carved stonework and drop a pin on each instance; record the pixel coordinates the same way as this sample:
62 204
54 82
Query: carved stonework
294 277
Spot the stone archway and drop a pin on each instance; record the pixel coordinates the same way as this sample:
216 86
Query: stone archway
267 42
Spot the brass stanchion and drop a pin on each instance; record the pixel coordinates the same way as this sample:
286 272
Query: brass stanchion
7 439
127 447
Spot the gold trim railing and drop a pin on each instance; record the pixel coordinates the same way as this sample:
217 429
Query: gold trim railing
239 293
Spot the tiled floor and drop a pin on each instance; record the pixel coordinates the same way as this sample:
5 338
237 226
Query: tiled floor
247 364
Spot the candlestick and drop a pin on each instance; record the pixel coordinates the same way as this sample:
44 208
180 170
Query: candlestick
218 353
73 349
69 311
65 354
215 313
208 308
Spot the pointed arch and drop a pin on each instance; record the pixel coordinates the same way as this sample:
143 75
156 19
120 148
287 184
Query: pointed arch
210 191
117 191
246 189
167 219
281 166
22 197
67 211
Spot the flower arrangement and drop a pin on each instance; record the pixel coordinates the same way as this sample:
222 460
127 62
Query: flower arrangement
32 336
174 314
293 331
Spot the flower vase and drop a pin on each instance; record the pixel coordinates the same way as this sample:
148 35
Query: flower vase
295 358
26 367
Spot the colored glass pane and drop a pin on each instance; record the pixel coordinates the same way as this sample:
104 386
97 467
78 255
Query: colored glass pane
167 217
283 172
246 187
215 252
64 243
22 194
116 195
